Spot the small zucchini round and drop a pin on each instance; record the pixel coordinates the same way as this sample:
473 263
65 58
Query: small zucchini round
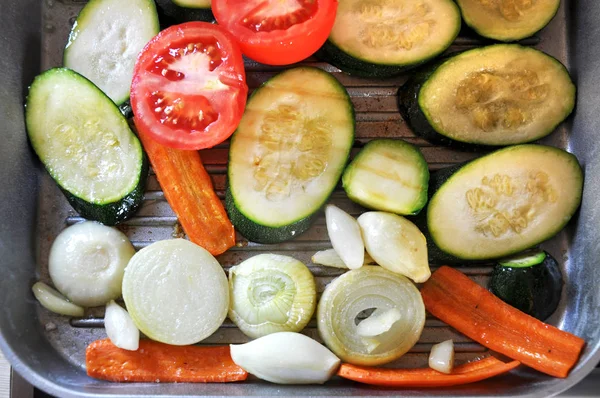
531 282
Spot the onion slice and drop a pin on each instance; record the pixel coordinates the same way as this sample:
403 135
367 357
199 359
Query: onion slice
286 358
271 293
87 262
351 295
344 233
176 292
54 301
396 244
441 357
120 327
330 258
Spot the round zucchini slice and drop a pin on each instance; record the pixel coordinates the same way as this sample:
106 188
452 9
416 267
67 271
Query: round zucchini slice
378 38
288 154
505 202
498 95
388 175
106 40
507 20
531 282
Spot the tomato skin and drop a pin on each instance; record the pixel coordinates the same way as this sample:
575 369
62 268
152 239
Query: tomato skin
221 87
281 47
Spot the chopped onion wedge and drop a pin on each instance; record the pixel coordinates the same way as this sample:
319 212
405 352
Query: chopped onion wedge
120 328
176 292
271 293
344 233
286 358
349 296
396 244
442 357
378 323
54 301
330 258
87 262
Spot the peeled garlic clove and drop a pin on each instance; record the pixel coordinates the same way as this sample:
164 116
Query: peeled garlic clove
441 357
378 323
120 327
330 258
54 301
396 244
286 358
345 235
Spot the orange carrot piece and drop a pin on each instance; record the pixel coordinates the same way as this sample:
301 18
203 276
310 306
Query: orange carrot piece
158 362
463 374
469 308
189 191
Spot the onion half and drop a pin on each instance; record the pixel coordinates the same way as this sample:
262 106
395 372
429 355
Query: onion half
370 288
87 262
271 293
176 292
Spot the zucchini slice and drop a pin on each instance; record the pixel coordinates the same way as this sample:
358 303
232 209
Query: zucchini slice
106 39
498 95
534 288
379 38
388 175
524 260
86 145
180 11
505 202
288 153
508 20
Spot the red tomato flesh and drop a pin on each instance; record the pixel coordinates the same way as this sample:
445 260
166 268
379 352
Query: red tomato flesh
189 86
279 32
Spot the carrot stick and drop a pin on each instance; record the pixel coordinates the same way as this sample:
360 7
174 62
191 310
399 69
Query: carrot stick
189 191
158 362
463 374
472 310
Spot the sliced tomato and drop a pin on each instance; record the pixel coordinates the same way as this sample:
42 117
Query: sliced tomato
189 86
278 32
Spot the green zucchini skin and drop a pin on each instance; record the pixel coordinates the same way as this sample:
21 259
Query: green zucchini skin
262 234
171 14
535 290
484 31
355 67
438 179
129 201
115 212
408 103
410 109
265 234
364 191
